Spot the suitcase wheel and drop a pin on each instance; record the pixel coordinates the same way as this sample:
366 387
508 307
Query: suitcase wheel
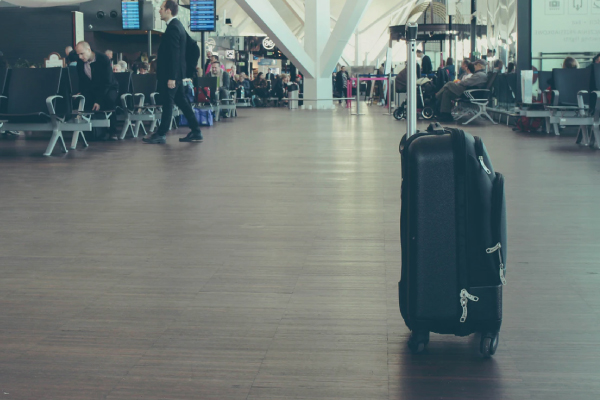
418 341
489 344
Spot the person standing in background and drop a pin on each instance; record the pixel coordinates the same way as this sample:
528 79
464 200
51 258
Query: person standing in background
451 69
171 70
341 82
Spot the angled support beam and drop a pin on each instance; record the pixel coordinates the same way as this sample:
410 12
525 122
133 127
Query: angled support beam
295 9
268 19
393 11
351 15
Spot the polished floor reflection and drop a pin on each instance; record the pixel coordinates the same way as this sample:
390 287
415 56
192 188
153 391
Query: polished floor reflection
263 264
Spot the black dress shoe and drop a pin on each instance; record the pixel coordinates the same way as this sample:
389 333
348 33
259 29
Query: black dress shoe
155 139
192 137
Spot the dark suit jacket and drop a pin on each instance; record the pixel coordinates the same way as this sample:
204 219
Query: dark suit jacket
72 57
102 82
170 63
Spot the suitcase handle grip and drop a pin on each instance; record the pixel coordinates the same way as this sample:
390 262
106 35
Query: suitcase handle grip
436 128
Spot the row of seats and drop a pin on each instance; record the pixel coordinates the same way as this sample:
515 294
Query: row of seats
44 100
572 101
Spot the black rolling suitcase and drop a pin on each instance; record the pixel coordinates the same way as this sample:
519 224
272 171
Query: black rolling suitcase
453 237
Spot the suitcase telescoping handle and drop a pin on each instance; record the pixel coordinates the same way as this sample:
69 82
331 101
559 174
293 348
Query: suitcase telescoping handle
411 81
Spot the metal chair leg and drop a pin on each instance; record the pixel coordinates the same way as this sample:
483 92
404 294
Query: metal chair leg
56 134
136 130
74 140
126 125
595 137
485 114
583 137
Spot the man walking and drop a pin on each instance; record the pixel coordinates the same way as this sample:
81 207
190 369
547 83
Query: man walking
170 72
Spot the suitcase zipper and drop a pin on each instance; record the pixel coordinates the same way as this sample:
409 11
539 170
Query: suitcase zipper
497 248
464 299
485 168
479 153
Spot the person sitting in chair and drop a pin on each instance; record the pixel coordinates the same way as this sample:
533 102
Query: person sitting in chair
223 79
97 83
402 78
452 91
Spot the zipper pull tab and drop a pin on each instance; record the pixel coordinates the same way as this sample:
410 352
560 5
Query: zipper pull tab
485 168
502 270
464 299
493 249
502 274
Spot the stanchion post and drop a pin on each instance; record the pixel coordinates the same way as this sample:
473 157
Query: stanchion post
357 95
390 93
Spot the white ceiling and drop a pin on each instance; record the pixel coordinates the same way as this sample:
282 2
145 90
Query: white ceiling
373 37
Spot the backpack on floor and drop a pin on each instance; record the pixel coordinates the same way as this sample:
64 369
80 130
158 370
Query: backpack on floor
525 124
203 95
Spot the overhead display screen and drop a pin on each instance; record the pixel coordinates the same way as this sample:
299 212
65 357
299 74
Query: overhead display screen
203 15
130 11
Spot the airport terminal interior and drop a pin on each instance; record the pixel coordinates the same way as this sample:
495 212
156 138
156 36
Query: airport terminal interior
262 261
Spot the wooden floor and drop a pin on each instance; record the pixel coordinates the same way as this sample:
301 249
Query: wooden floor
263 264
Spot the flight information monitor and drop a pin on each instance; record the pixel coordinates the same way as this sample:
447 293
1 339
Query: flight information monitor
203 15
130 10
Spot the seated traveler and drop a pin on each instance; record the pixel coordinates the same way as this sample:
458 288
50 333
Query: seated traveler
278 89
452 91
143 68
498 65
260 86
470 71
464 69
245 83
222 79
402 78
510 68
97 83
570 62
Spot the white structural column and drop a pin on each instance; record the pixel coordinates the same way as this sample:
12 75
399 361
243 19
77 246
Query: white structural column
317 29
322 48
269 20
348 21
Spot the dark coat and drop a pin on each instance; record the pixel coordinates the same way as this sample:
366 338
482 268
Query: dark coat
102 82
339 81
170 63
246 85
451 72
72 57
